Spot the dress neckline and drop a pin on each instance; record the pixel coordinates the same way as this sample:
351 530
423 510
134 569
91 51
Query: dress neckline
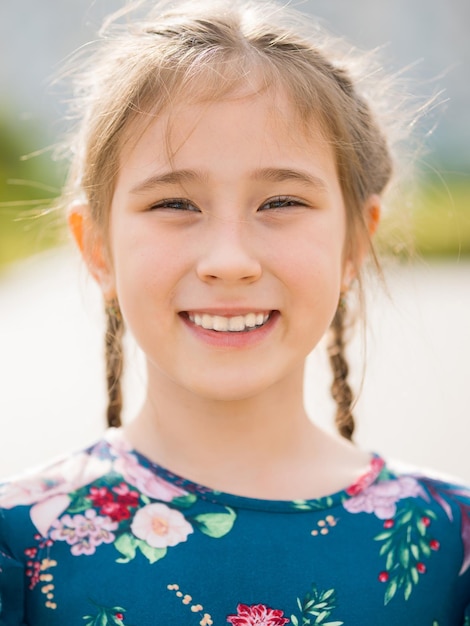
119 446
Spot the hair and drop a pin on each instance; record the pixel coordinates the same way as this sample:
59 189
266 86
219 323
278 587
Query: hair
202 52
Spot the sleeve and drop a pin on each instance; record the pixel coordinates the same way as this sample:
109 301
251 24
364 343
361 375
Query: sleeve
12 577
12 597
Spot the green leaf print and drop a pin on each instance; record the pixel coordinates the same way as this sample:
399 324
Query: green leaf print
316 608
391 590
184 502
150 553
406 544
128 545
106 616
313 505
79 505
215 525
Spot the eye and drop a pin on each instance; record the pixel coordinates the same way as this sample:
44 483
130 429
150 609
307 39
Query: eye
281 202
175 204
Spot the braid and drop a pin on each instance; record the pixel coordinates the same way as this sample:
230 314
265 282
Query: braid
340 389
114 361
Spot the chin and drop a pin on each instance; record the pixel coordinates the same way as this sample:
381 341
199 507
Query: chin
226 392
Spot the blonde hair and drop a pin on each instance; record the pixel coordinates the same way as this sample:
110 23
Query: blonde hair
203 51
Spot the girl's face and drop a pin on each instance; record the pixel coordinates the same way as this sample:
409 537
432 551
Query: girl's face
227 232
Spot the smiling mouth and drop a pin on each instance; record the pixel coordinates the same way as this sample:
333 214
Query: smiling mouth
233 324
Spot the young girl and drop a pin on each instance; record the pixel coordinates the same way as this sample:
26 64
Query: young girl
226 181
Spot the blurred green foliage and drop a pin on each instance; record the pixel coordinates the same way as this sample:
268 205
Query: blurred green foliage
434 221
441 220
29 184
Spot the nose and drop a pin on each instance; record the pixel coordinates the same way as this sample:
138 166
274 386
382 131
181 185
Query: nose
229 253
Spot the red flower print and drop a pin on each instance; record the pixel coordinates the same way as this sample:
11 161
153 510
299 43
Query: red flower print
257 614
100 495
126 495
114 503
115 510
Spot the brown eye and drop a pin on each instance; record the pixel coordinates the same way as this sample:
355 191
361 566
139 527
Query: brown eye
175 204
281 202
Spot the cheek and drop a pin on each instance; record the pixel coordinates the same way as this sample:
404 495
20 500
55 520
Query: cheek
146 268
312 256
313 270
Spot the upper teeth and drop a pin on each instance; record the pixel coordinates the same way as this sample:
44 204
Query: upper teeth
234 324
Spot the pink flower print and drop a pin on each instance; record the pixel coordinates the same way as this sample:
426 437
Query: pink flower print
259 614
368 478
146 481
64 530
61 478
160 526
48 491
84 532
381 498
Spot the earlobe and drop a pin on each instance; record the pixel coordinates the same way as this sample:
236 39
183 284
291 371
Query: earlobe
89 239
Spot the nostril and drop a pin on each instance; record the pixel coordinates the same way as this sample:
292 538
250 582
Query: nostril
229 269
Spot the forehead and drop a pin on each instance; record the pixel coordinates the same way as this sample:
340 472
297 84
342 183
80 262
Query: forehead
247 122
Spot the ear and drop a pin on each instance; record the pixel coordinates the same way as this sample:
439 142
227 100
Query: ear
90 241
372 211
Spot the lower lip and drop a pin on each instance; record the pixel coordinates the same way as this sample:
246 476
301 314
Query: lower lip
230 339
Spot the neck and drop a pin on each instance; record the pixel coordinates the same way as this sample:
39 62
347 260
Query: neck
183 431
262 446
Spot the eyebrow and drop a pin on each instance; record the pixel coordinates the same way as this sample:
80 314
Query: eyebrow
271 174
281 175
174 177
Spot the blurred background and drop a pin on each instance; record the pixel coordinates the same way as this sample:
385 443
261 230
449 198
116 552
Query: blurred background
414 399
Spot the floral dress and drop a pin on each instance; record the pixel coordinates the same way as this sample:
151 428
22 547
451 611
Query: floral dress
106 537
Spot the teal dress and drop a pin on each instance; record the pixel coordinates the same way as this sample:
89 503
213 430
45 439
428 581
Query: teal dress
106 537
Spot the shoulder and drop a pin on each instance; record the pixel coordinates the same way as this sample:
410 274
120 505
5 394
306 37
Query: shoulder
419 523
396 482
107 476
441 491
448 499
426 512
58 478
31 500
390 484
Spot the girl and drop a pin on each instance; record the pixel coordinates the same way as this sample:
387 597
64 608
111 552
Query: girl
226 181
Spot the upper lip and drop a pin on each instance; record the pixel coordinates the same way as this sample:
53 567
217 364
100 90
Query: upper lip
227 312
